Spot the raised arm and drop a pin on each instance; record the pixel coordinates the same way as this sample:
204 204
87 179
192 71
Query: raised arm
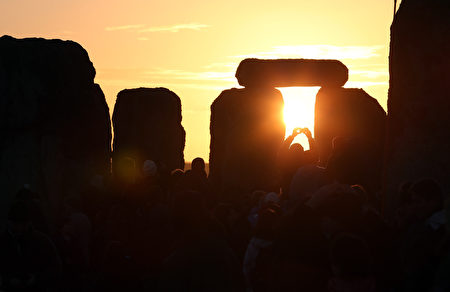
311 141
311 154
284 149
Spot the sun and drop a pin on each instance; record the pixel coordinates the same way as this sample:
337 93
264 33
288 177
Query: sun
299 110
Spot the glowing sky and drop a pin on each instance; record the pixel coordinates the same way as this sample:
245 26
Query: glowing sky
194 47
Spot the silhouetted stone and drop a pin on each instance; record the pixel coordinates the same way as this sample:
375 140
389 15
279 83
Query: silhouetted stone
291 72
247 130
54 121
419 96
353 114
147 125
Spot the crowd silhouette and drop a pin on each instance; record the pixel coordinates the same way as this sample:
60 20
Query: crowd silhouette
366 208
148 229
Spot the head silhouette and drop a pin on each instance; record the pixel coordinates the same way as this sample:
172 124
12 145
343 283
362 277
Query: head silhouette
19 218
427 197
198 166
350 257
296 152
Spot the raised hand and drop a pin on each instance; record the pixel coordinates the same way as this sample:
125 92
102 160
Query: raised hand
307 132
297 131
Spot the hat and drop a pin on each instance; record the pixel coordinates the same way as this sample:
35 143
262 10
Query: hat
271 198
149 168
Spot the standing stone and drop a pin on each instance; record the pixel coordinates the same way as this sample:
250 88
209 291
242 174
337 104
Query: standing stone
352 113
419 96
147 125
54 121
247 130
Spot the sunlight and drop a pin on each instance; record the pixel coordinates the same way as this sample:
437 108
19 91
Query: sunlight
299 110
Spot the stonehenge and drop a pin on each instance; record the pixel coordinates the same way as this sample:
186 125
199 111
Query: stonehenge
238 114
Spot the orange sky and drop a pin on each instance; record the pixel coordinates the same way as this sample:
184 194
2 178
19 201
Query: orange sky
194 47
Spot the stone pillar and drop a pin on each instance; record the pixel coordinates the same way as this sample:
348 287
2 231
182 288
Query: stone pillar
353 114
147 125
247 130
419 97
54 120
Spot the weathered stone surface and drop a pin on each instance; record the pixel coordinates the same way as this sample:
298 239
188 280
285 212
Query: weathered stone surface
291 72
147 125
352 113
247 130
419 96
54 121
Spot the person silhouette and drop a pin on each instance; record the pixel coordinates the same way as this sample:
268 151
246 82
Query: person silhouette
293 156
29 260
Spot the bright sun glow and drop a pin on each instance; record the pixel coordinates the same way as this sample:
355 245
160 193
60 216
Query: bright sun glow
299 110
